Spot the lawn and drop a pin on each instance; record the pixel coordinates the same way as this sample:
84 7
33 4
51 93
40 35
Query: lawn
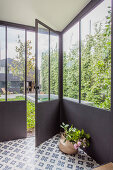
30 115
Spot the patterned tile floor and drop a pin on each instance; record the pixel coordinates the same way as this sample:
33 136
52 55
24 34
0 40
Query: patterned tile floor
22 154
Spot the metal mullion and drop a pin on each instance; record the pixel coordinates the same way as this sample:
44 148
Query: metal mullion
6 63
16 25
25 65
80 61
88 8
60 67
112 57
47 27
36 63
36 77
49 65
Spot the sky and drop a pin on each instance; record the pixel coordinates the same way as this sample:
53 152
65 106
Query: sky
71 37
12 39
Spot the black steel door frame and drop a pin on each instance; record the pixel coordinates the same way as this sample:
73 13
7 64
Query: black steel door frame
52 107
13 105
86 10
24 28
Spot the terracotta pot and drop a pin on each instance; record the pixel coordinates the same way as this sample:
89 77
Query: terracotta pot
66 146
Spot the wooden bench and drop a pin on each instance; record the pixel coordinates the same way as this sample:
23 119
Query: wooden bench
3 90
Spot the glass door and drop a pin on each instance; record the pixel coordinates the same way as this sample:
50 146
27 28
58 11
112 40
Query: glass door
46 107
13 55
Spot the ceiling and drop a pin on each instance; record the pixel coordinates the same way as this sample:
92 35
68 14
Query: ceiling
55 13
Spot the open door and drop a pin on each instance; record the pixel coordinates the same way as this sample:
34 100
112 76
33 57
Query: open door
47 115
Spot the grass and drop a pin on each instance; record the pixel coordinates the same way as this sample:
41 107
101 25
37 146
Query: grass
30 115
18 98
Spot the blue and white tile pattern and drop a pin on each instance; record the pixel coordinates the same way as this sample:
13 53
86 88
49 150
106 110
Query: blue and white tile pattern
22 154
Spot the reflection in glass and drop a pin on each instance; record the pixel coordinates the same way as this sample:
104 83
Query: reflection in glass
71 63
43 63
15 64
2 64
54 59
96 57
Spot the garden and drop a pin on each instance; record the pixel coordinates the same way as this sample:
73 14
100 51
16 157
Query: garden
95 70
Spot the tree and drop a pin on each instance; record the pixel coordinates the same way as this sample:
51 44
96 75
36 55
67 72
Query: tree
53 72
95 68
17 66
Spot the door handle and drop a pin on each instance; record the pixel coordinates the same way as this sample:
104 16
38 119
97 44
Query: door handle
36 87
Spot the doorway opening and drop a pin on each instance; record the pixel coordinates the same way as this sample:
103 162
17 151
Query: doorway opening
30 84
47 71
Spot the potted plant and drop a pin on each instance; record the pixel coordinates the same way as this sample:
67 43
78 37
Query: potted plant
72 138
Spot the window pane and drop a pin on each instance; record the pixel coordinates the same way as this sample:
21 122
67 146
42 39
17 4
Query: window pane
2 64
71 63
43 63
15 64
96 57
54 59
30 64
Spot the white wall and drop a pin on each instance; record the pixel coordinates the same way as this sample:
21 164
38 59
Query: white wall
55 13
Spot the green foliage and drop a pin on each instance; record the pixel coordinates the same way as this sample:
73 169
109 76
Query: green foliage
74 135
18 65
95 68
1 100
44 80
30 115
17 98
53 72
71 73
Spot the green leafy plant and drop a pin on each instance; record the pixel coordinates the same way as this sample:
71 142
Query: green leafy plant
75 136
30 115
95 68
